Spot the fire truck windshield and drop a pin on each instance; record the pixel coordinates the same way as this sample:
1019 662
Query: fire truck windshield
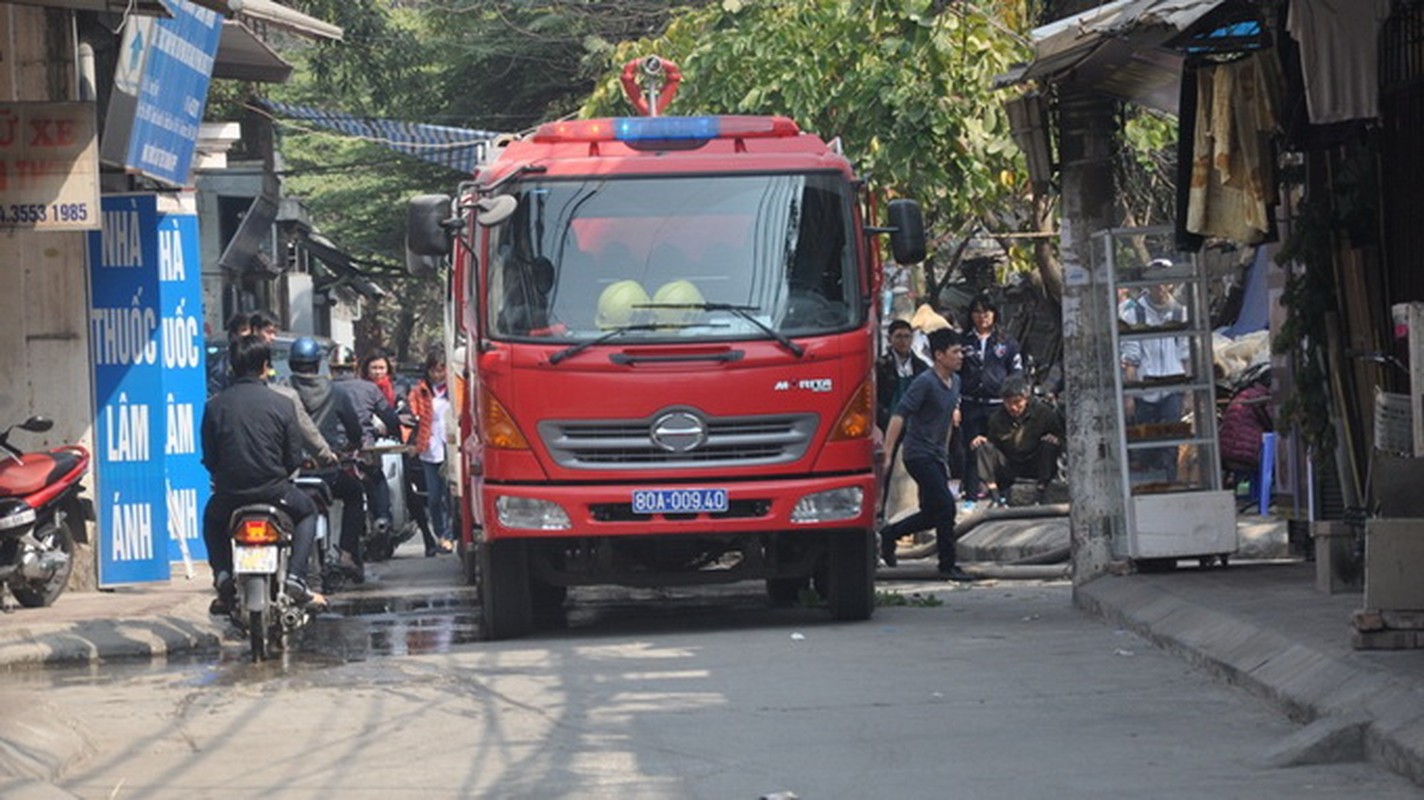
707 257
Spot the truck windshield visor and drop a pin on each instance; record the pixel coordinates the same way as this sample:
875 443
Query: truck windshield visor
701 257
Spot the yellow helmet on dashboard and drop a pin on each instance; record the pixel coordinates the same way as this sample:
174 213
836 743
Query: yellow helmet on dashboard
677 293
620 303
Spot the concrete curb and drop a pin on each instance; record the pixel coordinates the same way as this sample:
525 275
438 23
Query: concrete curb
1306 684
183 629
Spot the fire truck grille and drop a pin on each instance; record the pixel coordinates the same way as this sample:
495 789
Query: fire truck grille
738 441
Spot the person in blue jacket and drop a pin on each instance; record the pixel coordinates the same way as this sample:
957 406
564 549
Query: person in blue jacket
991 355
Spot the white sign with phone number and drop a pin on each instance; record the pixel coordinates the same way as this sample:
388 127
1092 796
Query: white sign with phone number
49 166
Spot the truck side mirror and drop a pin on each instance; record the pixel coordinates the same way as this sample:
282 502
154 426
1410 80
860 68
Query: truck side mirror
425 231
907 234
419 266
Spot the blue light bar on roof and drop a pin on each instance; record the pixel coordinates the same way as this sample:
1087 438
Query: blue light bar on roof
634 129
651 129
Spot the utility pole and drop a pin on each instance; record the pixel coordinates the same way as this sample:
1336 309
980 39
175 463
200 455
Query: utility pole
1087 126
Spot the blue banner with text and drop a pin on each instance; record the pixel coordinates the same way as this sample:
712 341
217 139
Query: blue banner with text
146 345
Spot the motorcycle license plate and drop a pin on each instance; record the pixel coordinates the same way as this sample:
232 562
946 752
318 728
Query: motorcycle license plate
254 560
679 501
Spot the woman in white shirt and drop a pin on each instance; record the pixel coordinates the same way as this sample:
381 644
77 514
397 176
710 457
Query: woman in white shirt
430 402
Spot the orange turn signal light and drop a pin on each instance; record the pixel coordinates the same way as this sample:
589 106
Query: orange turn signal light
257 531
501 432
858 417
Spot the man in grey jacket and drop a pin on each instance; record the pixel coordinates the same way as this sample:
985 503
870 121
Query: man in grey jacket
340 429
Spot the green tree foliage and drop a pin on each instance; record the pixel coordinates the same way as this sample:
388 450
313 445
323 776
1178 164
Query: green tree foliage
906 86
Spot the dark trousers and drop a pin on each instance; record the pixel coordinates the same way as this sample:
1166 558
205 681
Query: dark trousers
439 493
1041 464
348 489
936 508
415 494
378 494
292 500
973 421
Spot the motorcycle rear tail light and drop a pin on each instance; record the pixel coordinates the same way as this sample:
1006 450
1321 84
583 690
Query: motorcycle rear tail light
257 531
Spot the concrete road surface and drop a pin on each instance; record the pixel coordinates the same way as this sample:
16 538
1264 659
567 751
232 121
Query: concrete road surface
1003 691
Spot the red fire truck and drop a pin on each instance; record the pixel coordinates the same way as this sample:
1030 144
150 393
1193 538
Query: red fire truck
669 335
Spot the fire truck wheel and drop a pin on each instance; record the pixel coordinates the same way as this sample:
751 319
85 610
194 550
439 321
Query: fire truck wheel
851 575
506 601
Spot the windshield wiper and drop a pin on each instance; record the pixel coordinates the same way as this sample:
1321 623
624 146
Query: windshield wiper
573 350
745 312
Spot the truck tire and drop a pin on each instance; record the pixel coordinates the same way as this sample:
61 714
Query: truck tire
850 577
506 597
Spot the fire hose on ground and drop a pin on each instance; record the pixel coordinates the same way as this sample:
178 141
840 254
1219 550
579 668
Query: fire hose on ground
1048 565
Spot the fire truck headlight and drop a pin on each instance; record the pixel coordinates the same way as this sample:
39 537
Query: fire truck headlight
829 506
531 514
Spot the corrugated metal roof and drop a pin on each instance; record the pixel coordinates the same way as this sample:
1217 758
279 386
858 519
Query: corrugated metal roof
1118 47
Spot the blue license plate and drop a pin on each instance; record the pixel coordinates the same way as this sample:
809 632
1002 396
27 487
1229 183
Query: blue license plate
679 501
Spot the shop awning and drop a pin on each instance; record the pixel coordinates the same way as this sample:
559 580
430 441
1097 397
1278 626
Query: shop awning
146 7
339 264
1132 49
243 52
460 149
242 56
266 12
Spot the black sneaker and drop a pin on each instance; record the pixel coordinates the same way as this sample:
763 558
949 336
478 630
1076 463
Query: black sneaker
227 596
300 594
887 551
954 573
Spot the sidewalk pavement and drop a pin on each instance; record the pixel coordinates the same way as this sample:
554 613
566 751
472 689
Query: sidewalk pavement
147 620
1259 624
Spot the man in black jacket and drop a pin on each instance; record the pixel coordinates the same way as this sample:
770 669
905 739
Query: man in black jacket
1023 440
895 370
251 447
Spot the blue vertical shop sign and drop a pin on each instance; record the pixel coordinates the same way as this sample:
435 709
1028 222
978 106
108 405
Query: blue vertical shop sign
146 349
160 91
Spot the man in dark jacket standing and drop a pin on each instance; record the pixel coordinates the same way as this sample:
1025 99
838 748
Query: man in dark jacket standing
1023 440
251 447
895 370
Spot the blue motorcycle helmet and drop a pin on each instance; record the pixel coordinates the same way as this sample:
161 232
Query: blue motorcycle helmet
305 355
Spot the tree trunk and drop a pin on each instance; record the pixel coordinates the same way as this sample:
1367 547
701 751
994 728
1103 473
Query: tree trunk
1050 271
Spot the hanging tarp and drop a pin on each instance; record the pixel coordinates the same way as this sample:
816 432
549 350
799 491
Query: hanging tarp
460 149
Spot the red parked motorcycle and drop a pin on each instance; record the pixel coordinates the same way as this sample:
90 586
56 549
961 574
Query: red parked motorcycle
42 515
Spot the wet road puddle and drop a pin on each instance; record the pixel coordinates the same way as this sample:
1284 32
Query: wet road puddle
358 628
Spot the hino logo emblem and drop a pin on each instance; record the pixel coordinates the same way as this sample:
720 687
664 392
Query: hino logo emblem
678 432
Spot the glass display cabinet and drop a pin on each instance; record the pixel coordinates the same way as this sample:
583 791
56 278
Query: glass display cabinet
1168 451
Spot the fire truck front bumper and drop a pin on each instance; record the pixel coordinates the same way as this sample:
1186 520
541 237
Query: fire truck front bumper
695 509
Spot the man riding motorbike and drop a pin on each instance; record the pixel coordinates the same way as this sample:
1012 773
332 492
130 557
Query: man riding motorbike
251 446
376 418
335 417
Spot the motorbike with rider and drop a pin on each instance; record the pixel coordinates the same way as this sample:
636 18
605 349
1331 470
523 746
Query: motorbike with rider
336 419
252 447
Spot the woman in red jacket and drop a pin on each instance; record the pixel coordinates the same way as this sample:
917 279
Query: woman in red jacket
430 403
